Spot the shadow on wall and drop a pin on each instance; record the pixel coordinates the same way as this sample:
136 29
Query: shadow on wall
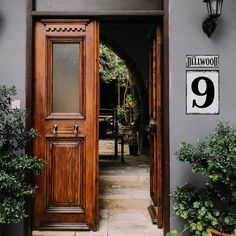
12 230
1 24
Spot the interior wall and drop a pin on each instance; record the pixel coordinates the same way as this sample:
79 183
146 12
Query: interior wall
12 61
186 37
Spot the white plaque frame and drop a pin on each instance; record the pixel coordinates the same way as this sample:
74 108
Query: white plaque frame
214 77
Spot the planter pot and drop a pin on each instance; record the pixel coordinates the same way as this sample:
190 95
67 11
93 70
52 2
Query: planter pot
133 149
102 129
217 233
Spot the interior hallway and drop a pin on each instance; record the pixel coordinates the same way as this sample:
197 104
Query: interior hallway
124 197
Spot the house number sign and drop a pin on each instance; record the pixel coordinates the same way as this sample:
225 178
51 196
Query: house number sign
202 89
202 61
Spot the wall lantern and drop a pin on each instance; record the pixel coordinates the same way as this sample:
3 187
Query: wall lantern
214 8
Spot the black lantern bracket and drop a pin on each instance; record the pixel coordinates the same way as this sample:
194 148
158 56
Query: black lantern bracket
209 26
214 8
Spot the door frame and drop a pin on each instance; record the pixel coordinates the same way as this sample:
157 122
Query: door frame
132 16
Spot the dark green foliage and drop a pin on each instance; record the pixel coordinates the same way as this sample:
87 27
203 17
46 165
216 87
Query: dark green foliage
15 164
214 205
111 67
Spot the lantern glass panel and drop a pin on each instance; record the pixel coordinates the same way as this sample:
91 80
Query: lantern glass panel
208 8
213 7
220 3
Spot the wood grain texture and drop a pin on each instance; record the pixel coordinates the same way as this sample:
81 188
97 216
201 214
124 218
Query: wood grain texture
68 187
66 168
155 115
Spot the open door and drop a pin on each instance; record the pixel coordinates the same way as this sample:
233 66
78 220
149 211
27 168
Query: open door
155 130
66 117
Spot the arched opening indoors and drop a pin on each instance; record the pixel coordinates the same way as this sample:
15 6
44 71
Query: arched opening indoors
119 93
131 45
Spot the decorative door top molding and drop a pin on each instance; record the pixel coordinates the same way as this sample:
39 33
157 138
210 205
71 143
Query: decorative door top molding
65 25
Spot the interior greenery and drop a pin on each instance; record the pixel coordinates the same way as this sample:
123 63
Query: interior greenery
112 67
214 204
16 166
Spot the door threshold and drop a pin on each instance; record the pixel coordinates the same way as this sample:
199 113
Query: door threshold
68 233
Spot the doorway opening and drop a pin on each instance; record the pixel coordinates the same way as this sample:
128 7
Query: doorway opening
125 72
68 139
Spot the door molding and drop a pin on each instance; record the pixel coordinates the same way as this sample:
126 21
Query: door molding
163 16
68 141
155 119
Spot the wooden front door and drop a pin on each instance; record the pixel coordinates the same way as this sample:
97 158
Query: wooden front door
66 117
155 130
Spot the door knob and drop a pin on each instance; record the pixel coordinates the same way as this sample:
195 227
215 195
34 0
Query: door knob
54 129
76 129
151 129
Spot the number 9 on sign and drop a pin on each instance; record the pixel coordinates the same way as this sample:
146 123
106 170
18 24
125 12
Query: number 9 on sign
202 92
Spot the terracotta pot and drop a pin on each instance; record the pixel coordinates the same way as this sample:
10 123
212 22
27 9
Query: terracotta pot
217 233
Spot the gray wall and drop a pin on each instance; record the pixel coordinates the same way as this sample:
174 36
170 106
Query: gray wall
186 37
97 5
12 59
12 44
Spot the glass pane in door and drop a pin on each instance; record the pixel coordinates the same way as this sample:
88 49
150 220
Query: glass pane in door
66 77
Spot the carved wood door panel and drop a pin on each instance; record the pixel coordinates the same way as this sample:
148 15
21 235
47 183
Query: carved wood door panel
66 116
155 134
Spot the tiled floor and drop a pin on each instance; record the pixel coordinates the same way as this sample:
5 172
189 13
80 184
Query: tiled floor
124 197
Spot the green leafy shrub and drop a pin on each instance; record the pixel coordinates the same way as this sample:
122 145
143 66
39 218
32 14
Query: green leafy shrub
15 164
111 66
214 205
121 114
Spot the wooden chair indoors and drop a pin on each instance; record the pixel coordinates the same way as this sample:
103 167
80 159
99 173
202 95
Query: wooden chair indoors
108 129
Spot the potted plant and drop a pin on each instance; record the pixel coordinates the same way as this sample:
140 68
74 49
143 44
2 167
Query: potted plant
133 145
16 166
211 209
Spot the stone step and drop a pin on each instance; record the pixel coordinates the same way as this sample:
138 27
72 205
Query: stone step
124 194
131 224
125 169
140 182
125 200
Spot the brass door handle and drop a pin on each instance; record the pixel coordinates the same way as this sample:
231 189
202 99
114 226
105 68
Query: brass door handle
56 131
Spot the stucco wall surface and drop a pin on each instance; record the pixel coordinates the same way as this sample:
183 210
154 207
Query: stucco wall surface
187 37
12 45
12 60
